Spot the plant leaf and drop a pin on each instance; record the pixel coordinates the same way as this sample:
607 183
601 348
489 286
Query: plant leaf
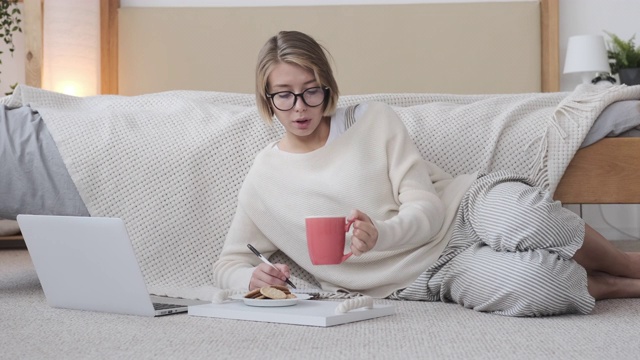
623 53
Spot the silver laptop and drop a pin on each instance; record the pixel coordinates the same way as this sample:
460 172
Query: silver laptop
88 263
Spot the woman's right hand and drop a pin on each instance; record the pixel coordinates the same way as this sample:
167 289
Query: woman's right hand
265 275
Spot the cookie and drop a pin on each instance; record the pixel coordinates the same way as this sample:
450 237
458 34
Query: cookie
282 288
252 294
273 293
270 292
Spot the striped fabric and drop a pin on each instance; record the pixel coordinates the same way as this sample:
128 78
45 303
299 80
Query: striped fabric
510 254
350 116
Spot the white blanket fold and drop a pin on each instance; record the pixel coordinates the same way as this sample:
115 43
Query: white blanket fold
171 164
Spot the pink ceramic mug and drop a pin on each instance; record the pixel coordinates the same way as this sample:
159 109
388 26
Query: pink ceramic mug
326 239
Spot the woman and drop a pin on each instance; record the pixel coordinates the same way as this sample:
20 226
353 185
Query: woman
492 243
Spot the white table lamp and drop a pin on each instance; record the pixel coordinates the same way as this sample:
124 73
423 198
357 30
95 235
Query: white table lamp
586 54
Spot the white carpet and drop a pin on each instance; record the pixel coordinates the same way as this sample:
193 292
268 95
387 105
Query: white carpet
30 329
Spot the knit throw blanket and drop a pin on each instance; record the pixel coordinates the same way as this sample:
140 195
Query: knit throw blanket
171 164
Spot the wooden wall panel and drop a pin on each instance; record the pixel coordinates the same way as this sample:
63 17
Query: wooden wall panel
109 46
32 28
550 23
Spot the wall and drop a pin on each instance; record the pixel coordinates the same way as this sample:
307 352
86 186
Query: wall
12 67
581 17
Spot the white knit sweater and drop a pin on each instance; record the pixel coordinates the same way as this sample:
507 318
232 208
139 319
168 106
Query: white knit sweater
374 167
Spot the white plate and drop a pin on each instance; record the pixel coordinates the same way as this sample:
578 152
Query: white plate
271 302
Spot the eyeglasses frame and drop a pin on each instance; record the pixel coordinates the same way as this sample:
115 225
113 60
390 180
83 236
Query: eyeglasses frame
300 95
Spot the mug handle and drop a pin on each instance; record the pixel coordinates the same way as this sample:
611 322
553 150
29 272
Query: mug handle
347 226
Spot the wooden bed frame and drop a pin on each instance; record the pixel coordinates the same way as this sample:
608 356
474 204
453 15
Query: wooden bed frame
604 173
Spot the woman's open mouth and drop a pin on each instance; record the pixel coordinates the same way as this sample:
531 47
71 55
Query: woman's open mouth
302 123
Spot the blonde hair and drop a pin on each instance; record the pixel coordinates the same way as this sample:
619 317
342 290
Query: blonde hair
294 47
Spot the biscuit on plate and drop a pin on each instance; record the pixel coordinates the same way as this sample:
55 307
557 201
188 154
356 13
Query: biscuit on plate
282 288
273 293
252 294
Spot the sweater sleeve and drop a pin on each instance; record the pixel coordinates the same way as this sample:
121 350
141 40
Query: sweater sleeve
421 212
236 263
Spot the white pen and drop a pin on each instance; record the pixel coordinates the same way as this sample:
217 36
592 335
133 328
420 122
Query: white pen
264 260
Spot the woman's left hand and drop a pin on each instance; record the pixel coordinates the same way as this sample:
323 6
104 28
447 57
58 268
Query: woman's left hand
365 234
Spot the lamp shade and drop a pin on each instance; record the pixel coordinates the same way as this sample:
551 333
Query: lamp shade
71 47
586 53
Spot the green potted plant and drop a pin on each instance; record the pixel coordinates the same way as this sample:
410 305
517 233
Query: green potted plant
624 59
9 25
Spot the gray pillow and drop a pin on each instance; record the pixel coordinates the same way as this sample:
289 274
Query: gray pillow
33 177
615 120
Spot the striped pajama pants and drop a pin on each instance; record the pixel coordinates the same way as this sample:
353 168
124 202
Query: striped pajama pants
509 254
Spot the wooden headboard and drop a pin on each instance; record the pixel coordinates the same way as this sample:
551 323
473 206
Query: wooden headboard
464 48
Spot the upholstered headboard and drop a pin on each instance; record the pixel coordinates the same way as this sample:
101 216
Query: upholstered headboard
463 48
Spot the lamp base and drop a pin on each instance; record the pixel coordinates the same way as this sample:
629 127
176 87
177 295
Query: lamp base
591 78
603 76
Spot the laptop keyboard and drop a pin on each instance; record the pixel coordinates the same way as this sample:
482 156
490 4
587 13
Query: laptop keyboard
160 306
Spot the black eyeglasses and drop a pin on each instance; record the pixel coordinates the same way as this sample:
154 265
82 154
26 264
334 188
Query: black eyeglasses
286 100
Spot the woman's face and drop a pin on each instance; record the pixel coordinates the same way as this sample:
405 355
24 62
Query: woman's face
302 120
